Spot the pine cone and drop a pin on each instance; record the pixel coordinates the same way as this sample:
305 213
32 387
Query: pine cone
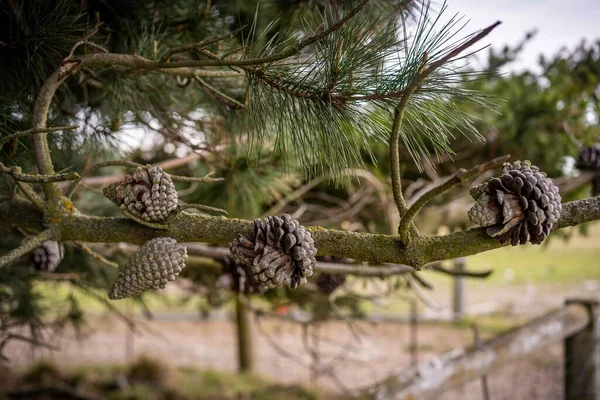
157 262
281 253
327 283
520 206
47 256
148 194
240 276
589 157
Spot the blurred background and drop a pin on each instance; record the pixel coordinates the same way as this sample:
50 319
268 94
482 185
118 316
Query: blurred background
205 336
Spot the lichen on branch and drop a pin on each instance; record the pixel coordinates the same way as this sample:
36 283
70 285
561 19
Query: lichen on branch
368 247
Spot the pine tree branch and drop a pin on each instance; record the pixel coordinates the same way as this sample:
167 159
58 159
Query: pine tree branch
31 194
461 176
376 248
425 71
33 131
95 167
39 120
200 45
97 256
26 246
226 98
126 163
202 207
376 271
380 271
198 73
21 178
139 62
17 175
99 181
469 274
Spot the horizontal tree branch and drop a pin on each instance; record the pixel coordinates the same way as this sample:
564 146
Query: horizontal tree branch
377 248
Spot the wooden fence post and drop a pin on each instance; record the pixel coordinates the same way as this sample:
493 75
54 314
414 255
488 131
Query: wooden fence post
582 356
458 299
244 336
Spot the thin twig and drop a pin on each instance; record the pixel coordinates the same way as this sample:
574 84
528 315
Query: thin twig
125 163
97 256
362 270
421 281
421 295
111 163
571 136
206 178
198 73
33 131
399 115
291 51
352 328
16 172
202 207
17 175
33 197
198 46
162 227
461 176
31 340
85 40
228 99
469 274
26 246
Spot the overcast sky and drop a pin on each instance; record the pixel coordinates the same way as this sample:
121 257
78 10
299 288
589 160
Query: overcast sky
559 23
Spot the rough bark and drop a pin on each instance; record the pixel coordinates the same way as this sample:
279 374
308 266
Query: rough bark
221 231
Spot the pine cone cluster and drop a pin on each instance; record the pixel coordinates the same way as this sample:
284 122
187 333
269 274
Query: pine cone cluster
157 262
589 157
281 252
518 207
327 283
148 194
47 256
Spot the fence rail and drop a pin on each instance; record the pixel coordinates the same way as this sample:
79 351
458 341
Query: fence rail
576 323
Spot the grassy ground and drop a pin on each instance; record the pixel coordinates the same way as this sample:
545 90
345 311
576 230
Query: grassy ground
145 379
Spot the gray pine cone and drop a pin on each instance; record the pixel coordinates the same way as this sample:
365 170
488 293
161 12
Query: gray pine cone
281 253
157 262
589 157
518 207
47 256
148 194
